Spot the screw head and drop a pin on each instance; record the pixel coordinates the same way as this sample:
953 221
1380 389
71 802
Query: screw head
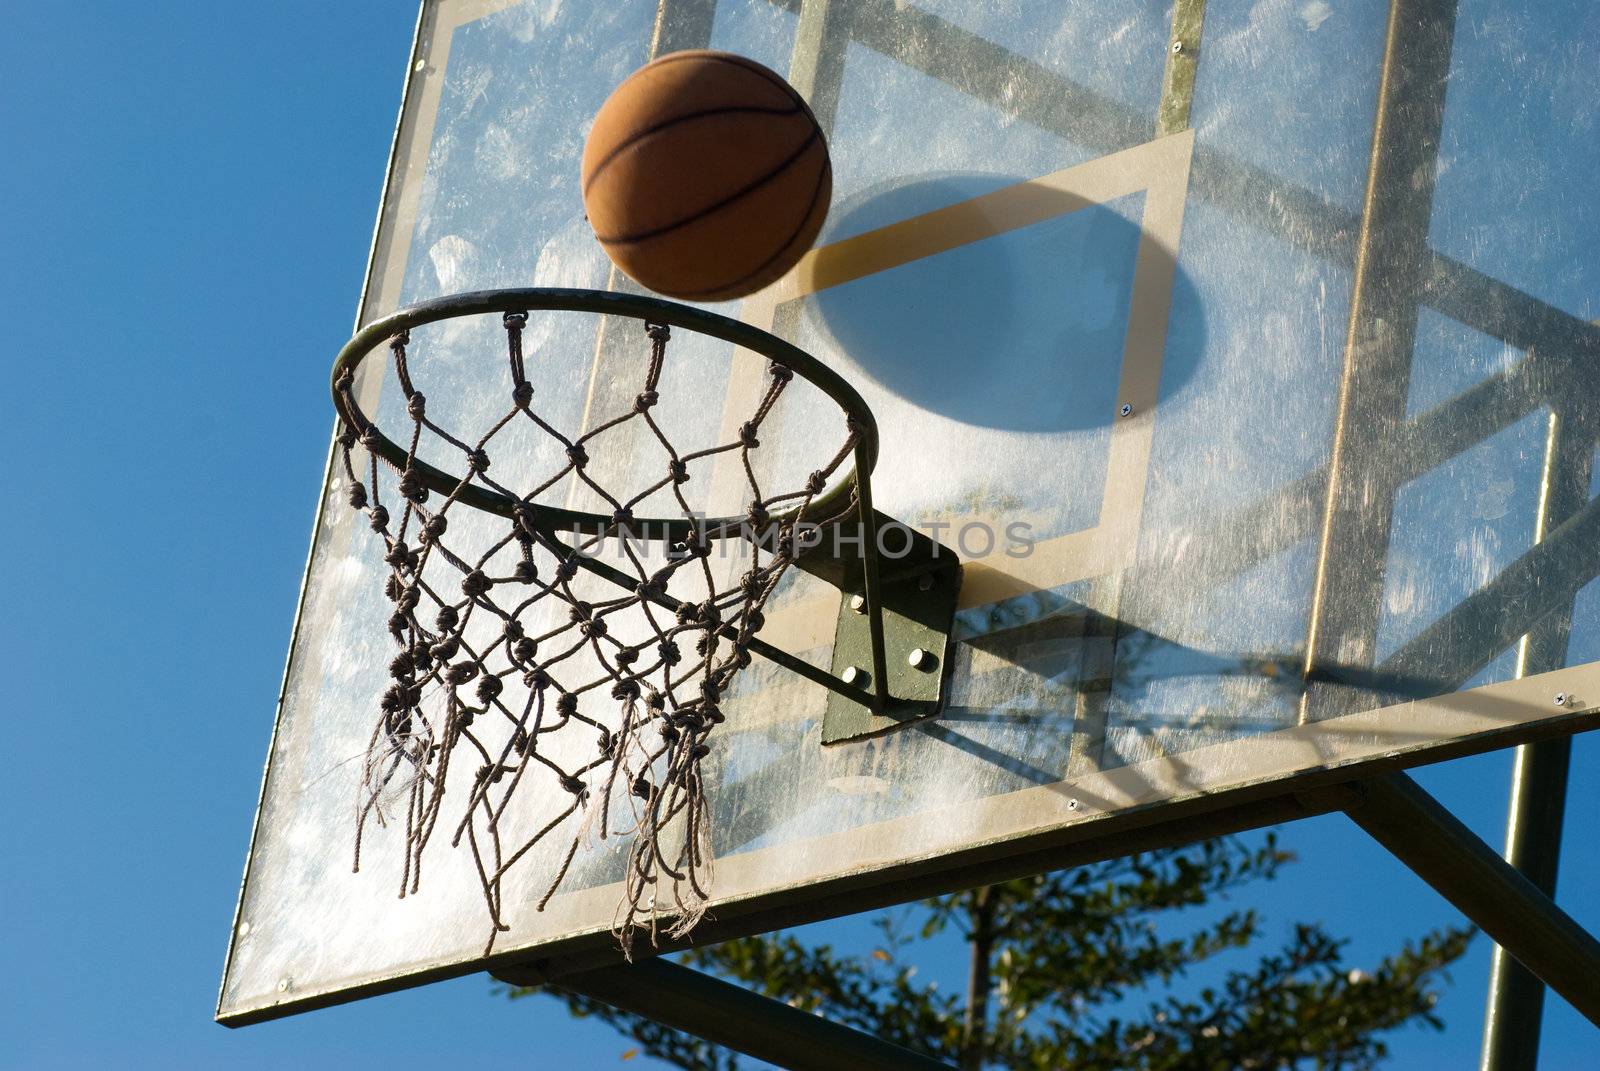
920 659
858 603
1561 699
1177 47
1126 410
854 676
1072 805
283 985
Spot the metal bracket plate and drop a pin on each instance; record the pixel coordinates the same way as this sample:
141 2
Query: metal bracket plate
918 611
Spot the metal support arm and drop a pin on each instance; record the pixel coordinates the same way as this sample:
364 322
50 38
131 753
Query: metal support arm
1520 918
734 1017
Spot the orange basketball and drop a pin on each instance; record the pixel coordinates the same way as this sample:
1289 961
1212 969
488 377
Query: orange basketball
706 177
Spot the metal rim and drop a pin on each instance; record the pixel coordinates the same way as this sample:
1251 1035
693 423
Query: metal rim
604 303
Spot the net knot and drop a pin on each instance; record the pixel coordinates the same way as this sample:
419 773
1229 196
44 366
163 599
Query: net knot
522 394
747 435
622 517
417 405
398 623
670 653
462 672
677 472
358 495
475 583
625 690
412 486
574 786
641 787
526 571
515 319
537 678
433 528
815 483
478 459
402 665
657 332
524 650
607 743
445 649
780 373
625 657
369 437
577 455
489 687
379 518
447 618
757 515
566 704
645 400
595 628
566 569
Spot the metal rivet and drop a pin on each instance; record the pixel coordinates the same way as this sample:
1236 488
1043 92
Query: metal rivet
858 603
244 928
920 659
1072 805
854 676
283 985
1126 409
1561 699
1177 47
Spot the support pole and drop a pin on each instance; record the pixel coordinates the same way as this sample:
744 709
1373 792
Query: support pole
1533 845
1515 914
734 1017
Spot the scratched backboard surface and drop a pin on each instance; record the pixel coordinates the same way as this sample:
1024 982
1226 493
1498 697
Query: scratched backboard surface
1243 351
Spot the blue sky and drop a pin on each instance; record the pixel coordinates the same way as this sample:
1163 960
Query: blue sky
186 200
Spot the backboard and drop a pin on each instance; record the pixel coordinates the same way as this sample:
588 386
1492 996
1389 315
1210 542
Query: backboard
1243 351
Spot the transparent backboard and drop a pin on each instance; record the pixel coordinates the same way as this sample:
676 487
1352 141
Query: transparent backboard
1244 351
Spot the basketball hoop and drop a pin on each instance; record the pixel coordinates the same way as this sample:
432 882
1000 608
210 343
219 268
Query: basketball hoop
484 673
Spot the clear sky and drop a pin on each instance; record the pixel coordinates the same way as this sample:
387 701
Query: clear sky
186 200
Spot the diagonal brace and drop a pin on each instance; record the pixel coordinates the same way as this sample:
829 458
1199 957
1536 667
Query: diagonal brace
1520 918
732 1016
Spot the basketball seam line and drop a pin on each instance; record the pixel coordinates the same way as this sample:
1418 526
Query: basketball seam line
629 239
667 124
827 171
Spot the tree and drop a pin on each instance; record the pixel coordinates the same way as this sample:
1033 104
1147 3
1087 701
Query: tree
1072 970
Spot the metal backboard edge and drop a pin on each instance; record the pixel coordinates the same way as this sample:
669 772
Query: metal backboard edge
1225 787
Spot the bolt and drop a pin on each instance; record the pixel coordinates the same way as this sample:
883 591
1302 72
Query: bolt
858 603
1126 409
920 659
1561 699
1177 47
855 676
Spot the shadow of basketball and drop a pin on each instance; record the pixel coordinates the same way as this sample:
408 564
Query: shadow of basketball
1023 331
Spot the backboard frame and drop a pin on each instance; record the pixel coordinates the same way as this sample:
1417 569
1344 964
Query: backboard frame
1513 712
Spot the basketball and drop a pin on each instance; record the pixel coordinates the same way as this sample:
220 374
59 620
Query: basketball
705 176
